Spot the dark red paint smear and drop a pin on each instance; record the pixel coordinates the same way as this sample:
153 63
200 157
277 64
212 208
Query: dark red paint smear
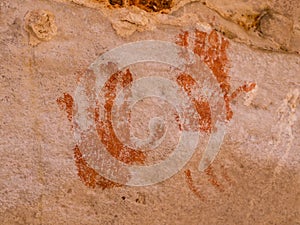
213 179
192 186
201 105
88 175
105 128
183 39
66 103
212 51
243 88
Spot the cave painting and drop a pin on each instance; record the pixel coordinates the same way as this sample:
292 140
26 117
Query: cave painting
196 95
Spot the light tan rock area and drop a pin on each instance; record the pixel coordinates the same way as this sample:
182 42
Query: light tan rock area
150 112
267 24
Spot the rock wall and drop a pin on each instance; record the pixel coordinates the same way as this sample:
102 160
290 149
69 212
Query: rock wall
149 112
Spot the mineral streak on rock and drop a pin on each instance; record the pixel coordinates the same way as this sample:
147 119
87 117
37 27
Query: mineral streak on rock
40 25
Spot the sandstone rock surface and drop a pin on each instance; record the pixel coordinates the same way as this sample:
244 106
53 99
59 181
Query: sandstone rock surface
237 75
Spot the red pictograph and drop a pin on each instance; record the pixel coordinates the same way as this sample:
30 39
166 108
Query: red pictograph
194 116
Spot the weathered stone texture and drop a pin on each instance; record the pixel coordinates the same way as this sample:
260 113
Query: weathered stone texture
45 50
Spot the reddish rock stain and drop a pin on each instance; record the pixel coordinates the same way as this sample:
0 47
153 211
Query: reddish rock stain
105 127
192 186
66 103
201 105
88 175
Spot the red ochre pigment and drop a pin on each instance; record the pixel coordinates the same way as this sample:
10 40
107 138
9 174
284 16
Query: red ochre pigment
211 48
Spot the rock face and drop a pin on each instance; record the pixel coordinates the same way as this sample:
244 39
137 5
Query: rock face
40 25
149 112
271 25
